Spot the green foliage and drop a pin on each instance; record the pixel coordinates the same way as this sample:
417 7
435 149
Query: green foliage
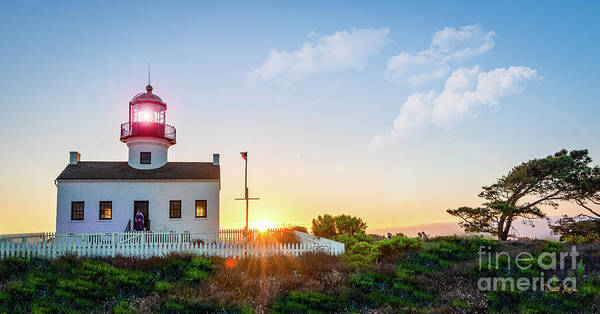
422 282
162 285
398 244
374 290
328 226
347 224
535 302
195 275
577 229
552 247
13 268
72 284
123 308
361 255
324 226
362 281
350 240
308 302
460 304
182 305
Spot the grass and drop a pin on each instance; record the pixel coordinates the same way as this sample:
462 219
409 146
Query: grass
405 276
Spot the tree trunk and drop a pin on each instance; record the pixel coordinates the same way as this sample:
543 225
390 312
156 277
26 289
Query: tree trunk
501 228
506 231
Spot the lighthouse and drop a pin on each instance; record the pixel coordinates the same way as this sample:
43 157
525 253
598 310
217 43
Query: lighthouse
146 134
106 196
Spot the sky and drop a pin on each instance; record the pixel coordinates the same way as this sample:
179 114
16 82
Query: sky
390 111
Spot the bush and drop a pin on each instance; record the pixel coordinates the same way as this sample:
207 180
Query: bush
350 240
308 302
327 226
362 281
391 248
552 247
182 305
71 284
361 255
577 229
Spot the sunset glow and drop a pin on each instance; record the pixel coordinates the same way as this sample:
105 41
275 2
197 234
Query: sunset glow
262 225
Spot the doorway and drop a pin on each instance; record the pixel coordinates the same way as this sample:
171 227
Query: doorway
143 206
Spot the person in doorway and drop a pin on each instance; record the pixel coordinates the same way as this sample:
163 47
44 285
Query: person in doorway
139 221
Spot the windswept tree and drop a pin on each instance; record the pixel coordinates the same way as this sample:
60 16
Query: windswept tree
586 191
523 192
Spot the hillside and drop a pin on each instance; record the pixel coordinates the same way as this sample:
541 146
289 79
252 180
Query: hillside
401 275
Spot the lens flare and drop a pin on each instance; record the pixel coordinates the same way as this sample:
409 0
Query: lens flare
263 225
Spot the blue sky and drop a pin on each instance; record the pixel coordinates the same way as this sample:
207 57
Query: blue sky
68 70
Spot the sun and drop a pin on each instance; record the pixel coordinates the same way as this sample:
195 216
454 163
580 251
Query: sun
263 225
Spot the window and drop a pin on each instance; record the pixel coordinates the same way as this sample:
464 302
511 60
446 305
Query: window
76 210
201 209
105 210
145 158
175 209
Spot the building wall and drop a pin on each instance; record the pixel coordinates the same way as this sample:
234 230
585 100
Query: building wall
124 193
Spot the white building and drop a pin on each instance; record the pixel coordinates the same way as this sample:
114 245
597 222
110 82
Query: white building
100 196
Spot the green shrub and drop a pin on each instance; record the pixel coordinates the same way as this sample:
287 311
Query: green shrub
14 267
195 275
361 255
350 240
398 244
123 308
450 251
362 281
460 304
308 302
552 247
180 305
162 286
202 263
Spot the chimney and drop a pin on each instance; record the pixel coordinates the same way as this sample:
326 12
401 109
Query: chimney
215 159
74 158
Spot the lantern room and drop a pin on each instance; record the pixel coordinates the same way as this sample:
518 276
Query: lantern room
146 134
147 114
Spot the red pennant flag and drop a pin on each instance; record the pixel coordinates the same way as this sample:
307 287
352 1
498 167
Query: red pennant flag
244 155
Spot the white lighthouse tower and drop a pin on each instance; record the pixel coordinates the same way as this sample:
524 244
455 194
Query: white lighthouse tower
146 134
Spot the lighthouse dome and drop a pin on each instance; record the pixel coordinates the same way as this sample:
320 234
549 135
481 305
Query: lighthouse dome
148 97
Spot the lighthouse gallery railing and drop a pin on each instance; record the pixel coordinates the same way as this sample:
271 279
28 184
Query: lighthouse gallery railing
148 129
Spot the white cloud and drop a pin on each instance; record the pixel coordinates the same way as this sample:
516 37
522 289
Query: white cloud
448 46
416 68
464 90
414 113
344 50
469 88
463 42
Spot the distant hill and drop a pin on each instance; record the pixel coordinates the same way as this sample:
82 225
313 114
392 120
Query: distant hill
539 230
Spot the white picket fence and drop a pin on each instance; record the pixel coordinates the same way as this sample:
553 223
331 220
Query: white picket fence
224 243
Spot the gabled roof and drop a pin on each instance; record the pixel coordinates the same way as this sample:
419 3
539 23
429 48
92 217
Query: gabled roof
117 170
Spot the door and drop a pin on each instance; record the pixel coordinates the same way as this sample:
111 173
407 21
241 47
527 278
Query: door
143 206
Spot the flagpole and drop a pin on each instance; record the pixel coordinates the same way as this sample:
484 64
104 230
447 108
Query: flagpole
246 188
247 197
